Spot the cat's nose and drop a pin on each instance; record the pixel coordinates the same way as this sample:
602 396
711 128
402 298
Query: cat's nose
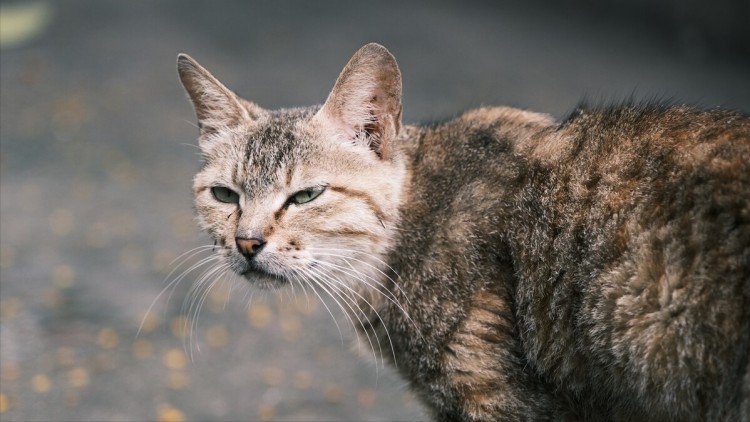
249 247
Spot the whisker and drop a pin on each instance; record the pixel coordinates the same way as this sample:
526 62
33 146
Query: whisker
329 289
303 286
386 292
332 293
197 297
365 263
249 302
358 276
198 285
194 321
377 314
194 267
187 256
303 277
231 287
333 283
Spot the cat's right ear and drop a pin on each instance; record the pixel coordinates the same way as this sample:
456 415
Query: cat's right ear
216 107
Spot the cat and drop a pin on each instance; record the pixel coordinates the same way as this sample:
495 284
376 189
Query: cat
511 266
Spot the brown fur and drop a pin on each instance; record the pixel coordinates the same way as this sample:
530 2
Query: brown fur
513 267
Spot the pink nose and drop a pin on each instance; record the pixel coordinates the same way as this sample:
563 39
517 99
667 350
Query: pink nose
249 247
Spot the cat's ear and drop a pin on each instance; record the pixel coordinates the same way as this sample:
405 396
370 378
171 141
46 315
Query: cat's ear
365 103
215 105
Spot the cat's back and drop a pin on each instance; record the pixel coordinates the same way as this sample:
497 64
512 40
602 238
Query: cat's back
616 173
659 136
607 176
643 283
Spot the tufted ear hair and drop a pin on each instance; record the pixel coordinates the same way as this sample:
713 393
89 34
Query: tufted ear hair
216 107
365 103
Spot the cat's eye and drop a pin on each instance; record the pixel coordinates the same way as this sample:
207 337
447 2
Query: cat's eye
306 195
226 195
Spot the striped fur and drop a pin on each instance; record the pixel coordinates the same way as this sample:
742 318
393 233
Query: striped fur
512 267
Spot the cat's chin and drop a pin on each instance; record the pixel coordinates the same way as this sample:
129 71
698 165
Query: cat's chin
263 279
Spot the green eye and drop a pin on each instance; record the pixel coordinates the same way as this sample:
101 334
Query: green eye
225 195
306 195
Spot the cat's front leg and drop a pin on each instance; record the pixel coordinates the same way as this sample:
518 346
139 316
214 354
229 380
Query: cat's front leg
487 374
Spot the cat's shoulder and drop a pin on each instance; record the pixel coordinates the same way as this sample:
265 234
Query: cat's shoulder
485 129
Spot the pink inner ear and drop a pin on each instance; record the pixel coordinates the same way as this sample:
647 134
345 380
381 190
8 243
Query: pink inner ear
365 103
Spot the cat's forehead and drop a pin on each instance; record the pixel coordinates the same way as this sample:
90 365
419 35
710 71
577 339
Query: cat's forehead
271 149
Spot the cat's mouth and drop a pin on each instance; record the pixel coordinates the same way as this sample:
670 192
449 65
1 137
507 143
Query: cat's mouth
254 272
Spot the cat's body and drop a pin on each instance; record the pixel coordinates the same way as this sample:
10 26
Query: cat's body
515 268
605 265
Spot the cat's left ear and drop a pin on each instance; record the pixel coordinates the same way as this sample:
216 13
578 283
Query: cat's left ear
365 103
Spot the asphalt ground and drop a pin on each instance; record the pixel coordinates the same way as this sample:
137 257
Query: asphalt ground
97 152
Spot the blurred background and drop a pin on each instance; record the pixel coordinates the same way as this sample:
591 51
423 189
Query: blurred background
97 155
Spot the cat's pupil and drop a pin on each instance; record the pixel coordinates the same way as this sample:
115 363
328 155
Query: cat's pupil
226 195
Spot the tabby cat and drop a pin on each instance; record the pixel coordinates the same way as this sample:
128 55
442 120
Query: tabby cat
511 266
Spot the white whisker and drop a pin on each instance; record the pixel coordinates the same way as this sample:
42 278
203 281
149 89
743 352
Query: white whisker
192 268
365 263
333 283
173 283
197 296
377 314
304 278
386 292
329 289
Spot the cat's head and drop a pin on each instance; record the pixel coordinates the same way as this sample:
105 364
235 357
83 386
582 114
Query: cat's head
307 193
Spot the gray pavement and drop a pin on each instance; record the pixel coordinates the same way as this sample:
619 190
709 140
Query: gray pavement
97 154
